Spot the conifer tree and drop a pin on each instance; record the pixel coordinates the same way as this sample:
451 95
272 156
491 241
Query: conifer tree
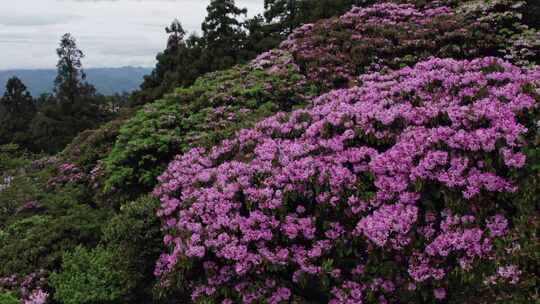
223 34
286 15
284 12
176 35
68 82
75 105
16 111
178 55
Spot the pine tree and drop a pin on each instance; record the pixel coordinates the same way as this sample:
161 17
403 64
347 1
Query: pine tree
16 111
176 35
174 65
70 77
286 15
223 34
16 97
284 12
75 105
261 37
77 97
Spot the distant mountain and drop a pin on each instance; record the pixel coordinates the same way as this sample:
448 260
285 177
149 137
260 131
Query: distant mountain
106 80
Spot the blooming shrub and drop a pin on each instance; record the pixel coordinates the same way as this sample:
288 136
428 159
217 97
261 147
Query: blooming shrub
66 173
380 192
91 146
214 108
334 52
316 58
521 43
29 288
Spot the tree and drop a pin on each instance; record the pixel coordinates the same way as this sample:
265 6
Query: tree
261 36
282 11
286 15
177 65
16 96
176 35
75 105
68 82
223 34
16 111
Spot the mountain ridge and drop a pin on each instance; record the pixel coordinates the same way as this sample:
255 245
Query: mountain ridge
106 80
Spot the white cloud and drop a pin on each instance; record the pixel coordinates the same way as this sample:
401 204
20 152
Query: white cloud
110 32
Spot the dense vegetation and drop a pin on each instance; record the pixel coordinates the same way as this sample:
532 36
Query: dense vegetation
389 153
50 122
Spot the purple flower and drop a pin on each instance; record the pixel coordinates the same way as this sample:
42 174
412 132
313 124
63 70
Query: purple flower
439 293
356 169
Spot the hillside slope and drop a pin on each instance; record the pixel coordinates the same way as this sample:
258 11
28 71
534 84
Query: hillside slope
313 160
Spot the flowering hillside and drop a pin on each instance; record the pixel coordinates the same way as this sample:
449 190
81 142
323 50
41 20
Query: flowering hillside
384 191
388 155
315 58
335 51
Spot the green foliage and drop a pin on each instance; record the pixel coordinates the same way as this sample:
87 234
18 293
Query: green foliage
178 66
12 157
39 241
88 276
74 107
135 232
213 109
223 45
16 111
90 146
223 34
55 124
286 15
8 298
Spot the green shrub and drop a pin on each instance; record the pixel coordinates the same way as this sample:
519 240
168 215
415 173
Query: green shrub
12 157
92 145
87 276
8 298
39 241
213 109
135 232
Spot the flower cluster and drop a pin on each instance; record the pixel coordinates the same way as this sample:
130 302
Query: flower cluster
521 43
5 182
45 162
524 48
508 273
275 62
30 206
66 173
367 193
29 288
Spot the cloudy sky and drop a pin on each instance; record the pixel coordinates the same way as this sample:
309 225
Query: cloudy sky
112 33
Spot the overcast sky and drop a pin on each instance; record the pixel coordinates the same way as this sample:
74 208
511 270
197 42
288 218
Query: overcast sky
112 33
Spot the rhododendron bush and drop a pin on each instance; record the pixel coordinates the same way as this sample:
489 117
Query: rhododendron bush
381 192
215 107
333 52
29 288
